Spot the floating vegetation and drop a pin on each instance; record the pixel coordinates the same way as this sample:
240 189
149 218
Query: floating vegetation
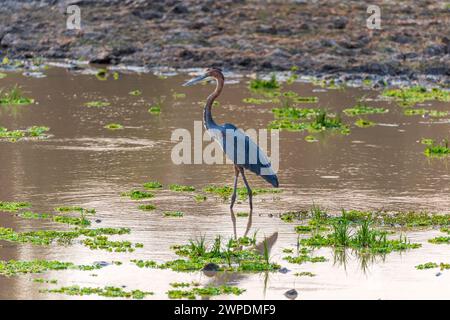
113 126
155 109
260 84
295 98
110 292
41 280
363 109
225 192
422 112
2 75
15 135
47 237
437 150
14 267
97 104
364 123
208 291
102 74
427 141
152 185
81 221
147 207
181 188
310 139
260 100
304 274
175 214
103 243
432 265
199 198
135 92
75 209
440 240
417 94
138 195
13 206
242 214
304 258
324 120
14 97
233 255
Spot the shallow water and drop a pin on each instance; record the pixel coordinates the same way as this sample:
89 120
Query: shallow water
84 164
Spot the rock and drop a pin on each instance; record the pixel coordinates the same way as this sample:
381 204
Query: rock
102 263
210 269
284 270
340 22
438 274
98 221
435 50
291 294
147 14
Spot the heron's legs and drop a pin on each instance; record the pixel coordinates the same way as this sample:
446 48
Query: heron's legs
233 196
250 194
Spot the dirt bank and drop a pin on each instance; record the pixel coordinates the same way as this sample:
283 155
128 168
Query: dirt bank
317 36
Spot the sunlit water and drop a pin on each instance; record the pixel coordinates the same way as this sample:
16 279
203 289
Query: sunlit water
82 163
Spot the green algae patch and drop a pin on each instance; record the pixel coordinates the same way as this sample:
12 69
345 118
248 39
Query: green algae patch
97 104
109 292
138 195
14 97
135 92
208 291
363 109
417 94
16 135
152 185
15 267
13 206
261 84
364 123
435 150
147 207
173 214
113 126
181 188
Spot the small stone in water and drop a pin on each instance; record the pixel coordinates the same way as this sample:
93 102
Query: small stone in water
291 294
284 270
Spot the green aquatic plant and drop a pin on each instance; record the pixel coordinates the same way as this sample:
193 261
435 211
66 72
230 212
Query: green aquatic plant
14 97
363 109
135 92
152 185
437 150
103 243
181 188
175 214
102 74
113 126
147 207
440 240
204 292
2 75
97 104
177 96
42 280
260 84
364 123
17 267
294 215
300 259
225 192
294 113
66 209
199 198
310 139
260 100
13 206
15 135
412 95
427 141
432 265
304 274
138 195
110 292
242 214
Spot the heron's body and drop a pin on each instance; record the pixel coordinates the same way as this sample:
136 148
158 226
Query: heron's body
244 153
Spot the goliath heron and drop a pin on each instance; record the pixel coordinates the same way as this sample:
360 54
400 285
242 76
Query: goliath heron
244 152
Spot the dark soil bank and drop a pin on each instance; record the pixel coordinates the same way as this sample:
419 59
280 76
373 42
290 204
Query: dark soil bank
317 36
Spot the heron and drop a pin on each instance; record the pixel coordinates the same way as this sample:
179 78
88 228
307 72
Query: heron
243 151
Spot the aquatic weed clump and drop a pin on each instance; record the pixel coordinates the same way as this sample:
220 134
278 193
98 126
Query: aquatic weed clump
261 84
225 192
207 291
181 188
17 267
437 150
410 96
109 292
16 135
13 206
138 195
14 97
363 109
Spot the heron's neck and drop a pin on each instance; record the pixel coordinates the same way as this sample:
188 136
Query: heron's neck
207 114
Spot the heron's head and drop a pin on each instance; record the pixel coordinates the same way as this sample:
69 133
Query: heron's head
209 73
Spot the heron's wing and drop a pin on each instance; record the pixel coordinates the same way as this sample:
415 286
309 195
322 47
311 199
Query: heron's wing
244 152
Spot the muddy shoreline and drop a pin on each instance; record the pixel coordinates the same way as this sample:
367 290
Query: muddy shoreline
319 37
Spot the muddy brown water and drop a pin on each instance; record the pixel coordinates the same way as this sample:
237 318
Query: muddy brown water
83 164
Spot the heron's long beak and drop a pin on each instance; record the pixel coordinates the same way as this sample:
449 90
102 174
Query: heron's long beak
195 80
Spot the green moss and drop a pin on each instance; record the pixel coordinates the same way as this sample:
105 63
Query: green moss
14 97
13 206
110 292
113 126
147 207
135 92
138 195
363 109
181 188
97 104
152 185
417 94
176 214
208 291
364 123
